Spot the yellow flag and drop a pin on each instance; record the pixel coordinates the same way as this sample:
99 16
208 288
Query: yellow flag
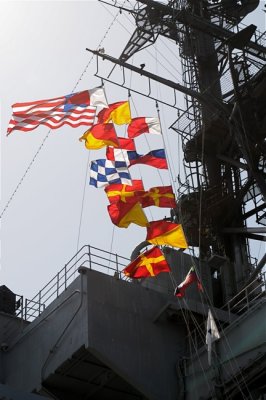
123 214
121 115
166 233
100 135
118 112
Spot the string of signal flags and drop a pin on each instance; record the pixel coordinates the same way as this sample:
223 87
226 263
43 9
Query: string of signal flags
127 197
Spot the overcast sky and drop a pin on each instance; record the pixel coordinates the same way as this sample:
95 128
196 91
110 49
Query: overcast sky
43 55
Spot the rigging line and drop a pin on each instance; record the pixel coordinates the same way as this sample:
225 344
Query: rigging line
207 297
162 55
168 154
48 133
192 341
111 247
172 278
189 331
147 142
158 114
169 63
82 205
209 302
175 189
139 169
194 346
202 335
24 175
148 51
233 360
172 54
201 199
201 194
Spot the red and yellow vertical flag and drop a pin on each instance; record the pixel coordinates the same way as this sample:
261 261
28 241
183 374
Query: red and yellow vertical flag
100 135
166 233
123 214
124 193
118 112
150 263
161 196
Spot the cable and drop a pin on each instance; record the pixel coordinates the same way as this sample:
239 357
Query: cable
24 175
46 137
82 203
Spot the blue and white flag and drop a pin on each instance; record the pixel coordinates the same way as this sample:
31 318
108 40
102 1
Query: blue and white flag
106 172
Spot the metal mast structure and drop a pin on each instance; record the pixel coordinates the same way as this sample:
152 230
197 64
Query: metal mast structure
102 336
223 128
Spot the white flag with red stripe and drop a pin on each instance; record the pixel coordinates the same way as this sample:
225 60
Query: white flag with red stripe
75 109
143 125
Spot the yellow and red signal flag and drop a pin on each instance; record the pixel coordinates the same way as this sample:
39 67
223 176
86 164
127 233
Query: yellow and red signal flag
150 263
161 196
123 214
124 193
118 112
141 125
166 233
100 135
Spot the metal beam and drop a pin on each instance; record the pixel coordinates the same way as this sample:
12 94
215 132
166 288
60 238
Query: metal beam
210 101
244 230
235 163
254 211
256 271
201 24
255 237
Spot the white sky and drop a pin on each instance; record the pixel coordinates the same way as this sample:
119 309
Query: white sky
42 48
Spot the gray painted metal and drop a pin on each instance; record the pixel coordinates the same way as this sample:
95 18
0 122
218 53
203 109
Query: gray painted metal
99 340
113 320
242 343
8 393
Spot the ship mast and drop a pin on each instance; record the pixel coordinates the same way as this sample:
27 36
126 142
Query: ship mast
222 129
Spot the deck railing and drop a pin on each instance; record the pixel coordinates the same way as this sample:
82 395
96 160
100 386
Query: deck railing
240 304
88 256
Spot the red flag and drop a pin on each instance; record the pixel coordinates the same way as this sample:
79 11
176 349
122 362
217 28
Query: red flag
125 193
190 278
161 196
123 214
150 263
100 135
118 112
166 233
141 125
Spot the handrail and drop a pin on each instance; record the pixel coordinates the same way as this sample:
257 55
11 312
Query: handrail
252 292
97 259
247 294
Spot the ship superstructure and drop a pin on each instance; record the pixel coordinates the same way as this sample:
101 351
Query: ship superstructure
94 334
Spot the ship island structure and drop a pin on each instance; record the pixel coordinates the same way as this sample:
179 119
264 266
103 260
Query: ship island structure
137 340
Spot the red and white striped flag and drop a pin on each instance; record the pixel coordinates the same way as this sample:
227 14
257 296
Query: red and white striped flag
74 109
143 125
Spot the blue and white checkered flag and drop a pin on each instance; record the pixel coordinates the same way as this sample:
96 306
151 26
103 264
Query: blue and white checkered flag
106 172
